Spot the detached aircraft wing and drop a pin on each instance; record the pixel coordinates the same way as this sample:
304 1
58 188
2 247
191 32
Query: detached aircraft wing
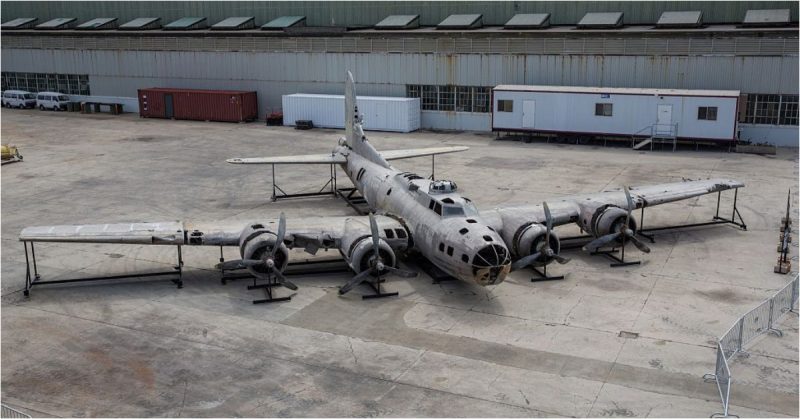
341 159
569 208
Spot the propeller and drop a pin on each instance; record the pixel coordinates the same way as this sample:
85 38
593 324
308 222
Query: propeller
623 231
544 249
377 267
268 262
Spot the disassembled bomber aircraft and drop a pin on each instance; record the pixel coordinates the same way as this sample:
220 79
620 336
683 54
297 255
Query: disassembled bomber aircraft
426 216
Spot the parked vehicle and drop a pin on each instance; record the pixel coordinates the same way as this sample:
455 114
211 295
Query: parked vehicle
52 100
18 99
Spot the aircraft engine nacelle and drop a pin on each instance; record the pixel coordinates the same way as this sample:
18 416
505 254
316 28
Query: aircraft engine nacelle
360 252
256 241
529 238
605 220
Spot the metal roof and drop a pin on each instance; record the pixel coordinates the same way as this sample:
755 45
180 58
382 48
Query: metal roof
20 23
99 23
141 23
528 21
617 90
399 22
601 20
235 23
186 23
57 23
284 22
689 19
461 22
766 17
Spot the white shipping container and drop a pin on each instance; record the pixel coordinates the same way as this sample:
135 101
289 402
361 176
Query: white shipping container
685 114
398 114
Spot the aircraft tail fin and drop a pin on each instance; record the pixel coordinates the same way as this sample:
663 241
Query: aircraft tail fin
354 132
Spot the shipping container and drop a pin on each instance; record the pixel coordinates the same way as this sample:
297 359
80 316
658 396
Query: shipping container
398 114
617 112
198 105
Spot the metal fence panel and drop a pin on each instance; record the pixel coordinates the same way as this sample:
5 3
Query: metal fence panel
756 321
730 343
782 301
7 412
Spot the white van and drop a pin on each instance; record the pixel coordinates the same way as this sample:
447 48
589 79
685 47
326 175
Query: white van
52 100
18 99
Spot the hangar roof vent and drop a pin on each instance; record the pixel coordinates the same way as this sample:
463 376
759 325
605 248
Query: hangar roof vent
528 21
284 22
20 23
99 23
186 23
461 22
689 19
399 22
235 23
770 17
601 20
141 23
58 23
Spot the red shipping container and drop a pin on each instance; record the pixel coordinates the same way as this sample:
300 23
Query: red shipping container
198 105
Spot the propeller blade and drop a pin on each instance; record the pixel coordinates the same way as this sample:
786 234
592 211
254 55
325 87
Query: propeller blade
281 234
285 282
601 241
638 243
356 280
232 265
630 205
527 260
549 218
401 273
373 226
561 259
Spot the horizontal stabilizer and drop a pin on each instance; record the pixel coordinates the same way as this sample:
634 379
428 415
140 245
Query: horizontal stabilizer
340 159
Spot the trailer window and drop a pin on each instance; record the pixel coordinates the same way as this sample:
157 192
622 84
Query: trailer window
603 109
505 106
708 113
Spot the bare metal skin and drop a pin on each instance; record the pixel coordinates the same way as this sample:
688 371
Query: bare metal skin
414 213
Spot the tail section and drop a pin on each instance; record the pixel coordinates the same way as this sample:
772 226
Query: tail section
354 133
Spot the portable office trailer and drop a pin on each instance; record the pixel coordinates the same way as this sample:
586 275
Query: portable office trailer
399 114
624 112
199 105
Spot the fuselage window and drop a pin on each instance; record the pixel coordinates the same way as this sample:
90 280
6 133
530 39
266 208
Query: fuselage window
389 233
465 258
389 192
449 250
401 234
441 247
471 221
487 238
463 230
437 208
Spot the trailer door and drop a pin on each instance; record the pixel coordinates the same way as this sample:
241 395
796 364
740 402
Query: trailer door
664 115
528 113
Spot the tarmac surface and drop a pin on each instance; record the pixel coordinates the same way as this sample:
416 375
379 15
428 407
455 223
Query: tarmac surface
631 341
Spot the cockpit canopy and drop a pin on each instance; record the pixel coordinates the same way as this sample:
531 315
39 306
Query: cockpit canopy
442 186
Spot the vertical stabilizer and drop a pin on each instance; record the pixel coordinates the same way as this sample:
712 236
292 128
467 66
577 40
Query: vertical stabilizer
354 133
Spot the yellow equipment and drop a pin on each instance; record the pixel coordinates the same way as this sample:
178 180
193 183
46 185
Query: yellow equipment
9 154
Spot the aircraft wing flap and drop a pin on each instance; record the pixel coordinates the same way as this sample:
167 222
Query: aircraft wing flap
166 232
307 159
419 152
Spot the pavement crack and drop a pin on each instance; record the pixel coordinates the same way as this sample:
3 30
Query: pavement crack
528 402
352 352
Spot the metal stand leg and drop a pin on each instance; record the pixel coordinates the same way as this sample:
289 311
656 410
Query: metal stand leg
433 167
179 268
641 226
330 184
377 291
618 261
542 275
267 287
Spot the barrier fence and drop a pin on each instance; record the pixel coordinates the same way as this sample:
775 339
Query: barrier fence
754 323
8 412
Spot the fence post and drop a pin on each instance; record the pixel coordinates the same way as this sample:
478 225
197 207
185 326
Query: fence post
741 334
793 300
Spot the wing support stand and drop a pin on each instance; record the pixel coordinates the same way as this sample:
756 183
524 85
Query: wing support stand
377 290
618 261
541 275
267 286
736 219
33 278
329 188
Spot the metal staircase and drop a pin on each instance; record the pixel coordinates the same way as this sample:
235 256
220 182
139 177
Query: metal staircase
662 133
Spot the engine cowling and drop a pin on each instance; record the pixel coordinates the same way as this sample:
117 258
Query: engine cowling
360 253
256 242
529 239
605 220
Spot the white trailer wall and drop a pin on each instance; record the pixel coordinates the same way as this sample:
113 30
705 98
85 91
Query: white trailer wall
632 114
397 114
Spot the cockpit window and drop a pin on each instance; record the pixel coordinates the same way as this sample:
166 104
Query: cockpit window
437 208
453 211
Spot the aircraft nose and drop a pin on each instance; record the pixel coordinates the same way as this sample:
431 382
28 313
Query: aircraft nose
491 265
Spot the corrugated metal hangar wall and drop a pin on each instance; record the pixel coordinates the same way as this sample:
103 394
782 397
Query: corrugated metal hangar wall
389 64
